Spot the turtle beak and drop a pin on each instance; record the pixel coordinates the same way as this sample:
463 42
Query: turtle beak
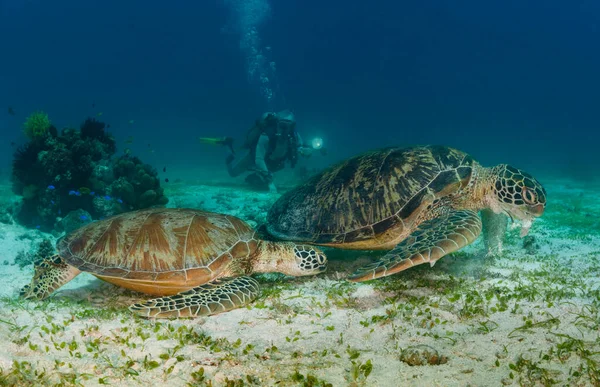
532 213
525 218
536 210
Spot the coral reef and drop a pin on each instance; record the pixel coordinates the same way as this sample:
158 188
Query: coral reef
94 129
76 170
136 183
74 220
37 126
43 250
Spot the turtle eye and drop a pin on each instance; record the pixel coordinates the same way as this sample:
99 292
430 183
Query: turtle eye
528 196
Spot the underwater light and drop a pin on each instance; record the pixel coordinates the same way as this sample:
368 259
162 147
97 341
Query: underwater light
317 143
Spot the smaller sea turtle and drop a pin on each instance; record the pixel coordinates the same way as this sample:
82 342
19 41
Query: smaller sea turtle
420 203
199 261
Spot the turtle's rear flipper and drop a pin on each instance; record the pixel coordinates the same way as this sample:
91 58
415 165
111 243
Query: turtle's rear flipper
49 274
212 298
429 242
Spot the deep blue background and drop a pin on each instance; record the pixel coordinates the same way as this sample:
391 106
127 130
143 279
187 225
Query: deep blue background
508 81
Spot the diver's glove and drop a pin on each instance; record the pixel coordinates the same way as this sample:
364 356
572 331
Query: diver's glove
305 151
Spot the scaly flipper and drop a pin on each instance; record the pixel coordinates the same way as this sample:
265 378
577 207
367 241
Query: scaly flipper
49 274
204 300
429 242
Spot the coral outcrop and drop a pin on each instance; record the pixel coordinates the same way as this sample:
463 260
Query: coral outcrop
57 173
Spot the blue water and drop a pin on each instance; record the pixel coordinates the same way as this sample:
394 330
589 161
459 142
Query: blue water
507 81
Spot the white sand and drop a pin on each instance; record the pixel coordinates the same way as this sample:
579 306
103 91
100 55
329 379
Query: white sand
468 308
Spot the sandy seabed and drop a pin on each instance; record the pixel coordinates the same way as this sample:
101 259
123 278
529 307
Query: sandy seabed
530 316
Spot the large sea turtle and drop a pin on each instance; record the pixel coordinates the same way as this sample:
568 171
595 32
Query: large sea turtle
420 203
200 261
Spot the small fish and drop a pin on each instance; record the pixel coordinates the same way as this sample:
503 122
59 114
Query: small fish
38 226
129 140
127 151
106 197
107 126
12 143
77 193
92 193
59 211
164 169
131 122
93 104
51 187
71 193
83 217
52 201
120 201
166 179
11 111
99 114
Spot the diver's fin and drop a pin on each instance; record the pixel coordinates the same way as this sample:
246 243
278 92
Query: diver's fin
227 141
204 300
211 140
431 240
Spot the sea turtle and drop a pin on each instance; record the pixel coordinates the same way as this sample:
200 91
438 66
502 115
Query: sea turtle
199 261
420 203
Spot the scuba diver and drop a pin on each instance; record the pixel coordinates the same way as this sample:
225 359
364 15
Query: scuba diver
270 143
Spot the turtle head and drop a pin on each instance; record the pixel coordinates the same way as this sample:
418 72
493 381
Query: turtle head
518 194
290 259
309 260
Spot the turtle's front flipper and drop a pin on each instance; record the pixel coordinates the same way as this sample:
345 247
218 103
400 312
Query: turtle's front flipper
429 242
212 298
49 274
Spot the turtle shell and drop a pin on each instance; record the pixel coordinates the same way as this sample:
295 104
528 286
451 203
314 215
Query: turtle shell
173 247
362 197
